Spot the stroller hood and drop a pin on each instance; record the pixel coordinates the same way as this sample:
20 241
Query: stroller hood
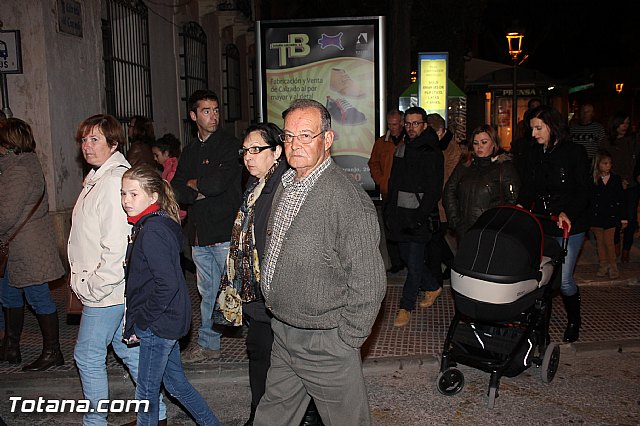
503 246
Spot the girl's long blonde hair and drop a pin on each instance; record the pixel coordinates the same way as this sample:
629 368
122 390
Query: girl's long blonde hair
150 182
600 155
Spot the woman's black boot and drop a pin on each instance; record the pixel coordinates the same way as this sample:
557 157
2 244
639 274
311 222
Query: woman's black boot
51 355
572 306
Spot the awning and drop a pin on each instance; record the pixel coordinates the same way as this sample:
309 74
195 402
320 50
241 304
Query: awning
453 91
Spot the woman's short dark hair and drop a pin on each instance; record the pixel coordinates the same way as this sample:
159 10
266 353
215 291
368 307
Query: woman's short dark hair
108 125
168 143
269 132
15 134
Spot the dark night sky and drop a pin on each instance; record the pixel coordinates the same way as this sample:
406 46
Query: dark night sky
562 37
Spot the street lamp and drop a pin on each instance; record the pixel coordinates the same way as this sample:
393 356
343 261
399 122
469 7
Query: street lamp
514 38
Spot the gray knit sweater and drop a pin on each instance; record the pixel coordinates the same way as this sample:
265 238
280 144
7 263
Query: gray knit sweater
330 272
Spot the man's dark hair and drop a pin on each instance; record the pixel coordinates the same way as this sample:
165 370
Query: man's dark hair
201 95
417 110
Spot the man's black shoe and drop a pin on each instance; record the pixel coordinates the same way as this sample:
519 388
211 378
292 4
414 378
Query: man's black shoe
395 269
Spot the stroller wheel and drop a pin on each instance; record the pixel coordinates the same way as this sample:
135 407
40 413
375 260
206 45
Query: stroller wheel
550 362
450 381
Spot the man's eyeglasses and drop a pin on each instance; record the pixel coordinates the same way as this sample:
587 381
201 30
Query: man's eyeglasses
253 150
413 123
304 138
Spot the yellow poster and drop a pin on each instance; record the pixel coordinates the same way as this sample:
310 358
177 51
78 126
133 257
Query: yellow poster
433 83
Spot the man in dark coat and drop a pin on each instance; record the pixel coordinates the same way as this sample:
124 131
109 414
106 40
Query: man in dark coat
415 186
207 180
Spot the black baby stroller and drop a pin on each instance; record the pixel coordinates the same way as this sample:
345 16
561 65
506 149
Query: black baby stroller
502 278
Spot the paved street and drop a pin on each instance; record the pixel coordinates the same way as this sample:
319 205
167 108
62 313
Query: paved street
597 383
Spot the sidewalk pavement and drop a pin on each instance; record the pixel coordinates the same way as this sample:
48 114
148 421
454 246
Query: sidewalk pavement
610 320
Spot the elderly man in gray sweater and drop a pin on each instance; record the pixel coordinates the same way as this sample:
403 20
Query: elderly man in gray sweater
322 278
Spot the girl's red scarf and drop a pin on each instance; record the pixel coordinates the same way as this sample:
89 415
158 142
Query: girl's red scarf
152 208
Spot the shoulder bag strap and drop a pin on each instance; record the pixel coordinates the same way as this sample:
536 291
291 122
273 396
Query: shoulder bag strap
33 210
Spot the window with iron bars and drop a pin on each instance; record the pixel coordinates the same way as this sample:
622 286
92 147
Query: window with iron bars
125 39
193 71
232 87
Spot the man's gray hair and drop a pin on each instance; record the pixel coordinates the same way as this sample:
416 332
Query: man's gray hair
395 113
325 117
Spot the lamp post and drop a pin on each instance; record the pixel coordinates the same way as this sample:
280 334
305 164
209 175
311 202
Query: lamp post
514 38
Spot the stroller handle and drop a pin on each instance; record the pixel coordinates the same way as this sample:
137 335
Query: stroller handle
565 227
565 232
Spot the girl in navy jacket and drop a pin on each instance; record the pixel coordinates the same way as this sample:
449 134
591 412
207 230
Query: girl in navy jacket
158 307
607 212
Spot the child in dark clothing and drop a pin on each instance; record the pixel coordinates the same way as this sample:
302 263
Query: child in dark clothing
158 307
607 206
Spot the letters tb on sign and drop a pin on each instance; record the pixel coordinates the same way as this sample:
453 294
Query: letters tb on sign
10 52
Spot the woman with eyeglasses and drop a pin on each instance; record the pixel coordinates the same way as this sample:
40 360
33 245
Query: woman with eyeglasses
489 180
263 155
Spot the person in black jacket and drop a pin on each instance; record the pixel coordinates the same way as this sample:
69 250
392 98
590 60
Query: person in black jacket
415 187
558 183
158 306
488 181
207 180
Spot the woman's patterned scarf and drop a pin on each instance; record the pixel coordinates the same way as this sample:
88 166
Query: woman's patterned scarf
241 282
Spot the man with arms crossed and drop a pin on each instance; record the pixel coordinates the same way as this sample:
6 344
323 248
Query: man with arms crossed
208 181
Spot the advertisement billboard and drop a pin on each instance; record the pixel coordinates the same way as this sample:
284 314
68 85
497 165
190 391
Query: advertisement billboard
432 78
337 62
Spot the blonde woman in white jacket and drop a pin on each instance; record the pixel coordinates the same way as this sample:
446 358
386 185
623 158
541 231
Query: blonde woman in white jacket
97 247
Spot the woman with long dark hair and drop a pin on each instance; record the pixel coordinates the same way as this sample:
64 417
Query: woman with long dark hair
558 183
